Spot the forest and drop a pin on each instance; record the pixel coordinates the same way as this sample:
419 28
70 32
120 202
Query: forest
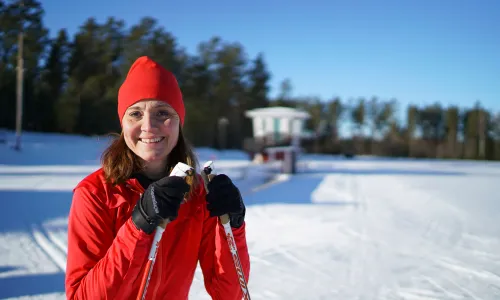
70 85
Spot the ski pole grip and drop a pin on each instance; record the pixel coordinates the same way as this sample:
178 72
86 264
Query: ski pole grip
181 170
208 174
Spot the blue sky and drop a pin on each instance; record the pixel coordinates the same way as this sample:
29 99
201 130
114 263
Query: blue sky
417 52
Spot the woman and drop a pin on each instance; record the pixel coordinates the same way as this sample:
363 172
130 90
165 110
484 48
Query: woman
116 209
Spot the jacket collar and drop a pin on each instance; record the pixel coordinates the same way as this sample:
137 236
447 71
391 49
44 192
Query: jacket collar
142 179
135 185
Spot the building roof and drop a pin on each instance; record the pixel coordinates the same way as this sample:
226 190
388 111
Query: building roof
277 111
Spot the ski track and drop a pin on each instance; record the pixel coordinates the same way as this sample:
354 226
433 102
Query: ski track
50 247
54 238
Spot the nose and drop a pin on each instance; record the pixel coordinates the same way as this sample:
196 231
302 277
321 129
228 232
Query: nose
147 123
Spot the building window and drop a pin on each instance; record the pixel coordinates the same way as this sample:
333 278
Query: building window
276 129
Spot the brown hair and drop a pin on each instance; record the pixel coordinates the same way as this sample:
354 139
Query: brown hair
119 162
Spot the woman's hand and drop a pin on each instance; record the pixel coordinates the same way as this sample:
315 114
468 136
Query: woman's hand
224 198
161 201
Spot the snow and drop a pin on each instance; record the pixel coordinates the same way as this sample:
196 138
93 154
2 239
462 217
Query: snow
367 228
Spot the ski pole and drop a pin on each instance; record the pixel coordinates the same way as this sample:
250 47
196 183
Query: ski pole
207 174
181 170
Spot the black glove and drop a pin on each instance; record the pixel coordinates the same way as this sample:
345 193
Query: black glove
160 201
224 198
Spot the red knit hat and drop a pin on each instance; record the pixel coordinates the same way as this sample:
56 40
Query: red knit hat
146 79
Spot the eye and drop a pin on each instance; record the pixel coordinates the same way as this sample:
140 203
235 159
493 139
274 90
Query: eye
164 113
135 114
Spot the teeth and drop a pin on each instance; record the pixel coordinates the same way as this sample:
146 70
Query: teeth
156 140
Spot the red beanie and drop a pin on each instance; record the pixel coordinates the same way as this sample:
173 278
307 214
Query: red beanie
146 79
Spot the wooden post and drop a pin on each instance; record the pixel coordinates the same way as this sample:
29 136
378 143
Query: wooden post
19 83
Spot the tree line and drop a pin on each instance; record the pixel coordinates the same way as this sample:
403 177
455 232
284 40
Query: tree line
429 131
71 83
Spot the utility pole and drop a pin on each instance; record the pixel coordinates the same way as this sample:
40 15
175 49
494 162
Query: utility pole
20 78
482 130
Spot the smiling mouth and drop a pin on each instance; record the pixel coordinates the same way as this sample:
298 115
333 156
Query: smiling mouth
152 141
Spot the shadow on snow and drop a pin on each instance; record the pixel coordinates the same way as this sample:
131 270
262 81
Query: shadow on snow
296 190
31 285
23 208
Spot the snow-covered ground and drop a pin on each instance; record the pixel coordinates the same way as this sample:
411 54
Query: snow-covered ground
368 228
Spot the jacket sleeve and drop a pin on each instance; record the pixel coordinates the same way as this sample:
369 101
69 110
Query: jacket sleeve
101 264
216 262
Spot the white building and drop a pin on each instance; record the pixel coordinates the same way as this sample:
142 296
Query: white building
278 123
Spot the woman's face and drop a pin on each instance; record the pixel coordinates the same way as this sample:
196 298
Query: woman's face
151 130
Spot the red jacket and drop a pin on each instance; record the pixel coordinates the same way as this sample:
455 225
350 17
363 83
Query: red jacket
107 254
